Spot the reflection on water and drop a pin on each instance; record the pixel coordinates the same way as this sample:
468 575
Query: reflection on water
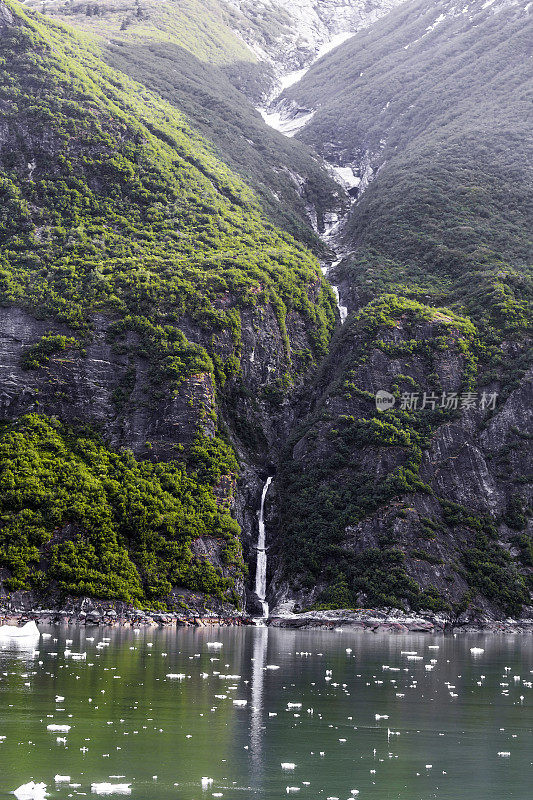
175 715
260 643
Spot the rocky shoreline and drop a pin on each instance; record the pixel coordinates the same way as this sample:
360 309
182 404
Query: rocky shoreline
366 620
397 621
121 618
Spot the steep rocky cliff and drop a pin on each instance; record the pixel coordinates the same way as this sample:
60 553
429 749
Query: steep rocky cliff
425 504
164 346
420 504
151 315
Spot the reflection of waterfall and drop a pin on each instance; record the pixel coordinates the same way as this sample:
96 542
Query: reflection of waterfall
261 570
257 725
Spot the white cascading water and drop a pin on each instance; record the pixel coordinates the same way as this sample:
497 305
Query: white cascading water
261 569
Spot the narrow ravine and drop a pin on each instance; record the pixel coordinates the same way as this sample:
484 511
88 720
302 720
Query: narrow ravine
289 125
261 569
274 117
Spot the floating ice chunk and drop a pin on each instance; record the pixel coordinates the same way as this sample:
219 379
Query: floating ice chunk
214 644
111 788
504 753
30 629
381 716
271 666
62 778
31 791
58 728
287 765
476 650
178 676
294 705
291 789
59 699
206 782
240 702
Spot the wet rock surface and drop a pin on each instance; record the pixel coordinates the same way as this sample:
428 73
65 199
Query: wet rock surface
398 621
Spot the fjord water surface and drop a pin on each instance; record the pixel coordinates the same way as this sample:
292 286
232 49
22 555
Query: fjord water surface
357 714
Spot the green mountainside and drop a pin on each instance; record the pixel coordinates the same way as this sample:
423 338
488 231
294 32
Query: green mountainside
168 340
432 107
121 229
438 102
188 54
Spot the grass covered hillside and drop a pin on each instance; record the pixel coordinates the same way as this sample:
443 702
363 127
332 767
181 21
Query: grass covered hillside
427 507
436 99
135 268
188 54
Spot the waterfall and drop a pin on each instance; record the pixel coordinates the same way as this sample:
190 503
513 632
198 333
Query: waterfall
261 570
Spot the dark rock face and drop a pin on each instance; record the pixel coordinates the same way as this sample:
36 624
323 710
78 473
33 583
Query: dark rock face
470 471
6 17
115 391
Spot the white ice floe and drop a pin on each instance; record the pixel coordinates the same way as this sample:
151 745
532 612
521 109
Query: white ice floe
176 676
206 782
30 629
288 765
240 702
214 644
111 788
58 728
476 650
31 791
62 778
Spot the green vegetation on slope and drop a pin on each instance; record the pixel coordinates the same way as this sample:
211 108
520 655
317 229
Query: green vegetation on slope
438 101
77 518
188 54
110 203
123 206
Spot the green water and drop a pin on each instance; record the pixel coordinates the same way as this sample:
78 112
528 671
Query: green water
162 735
